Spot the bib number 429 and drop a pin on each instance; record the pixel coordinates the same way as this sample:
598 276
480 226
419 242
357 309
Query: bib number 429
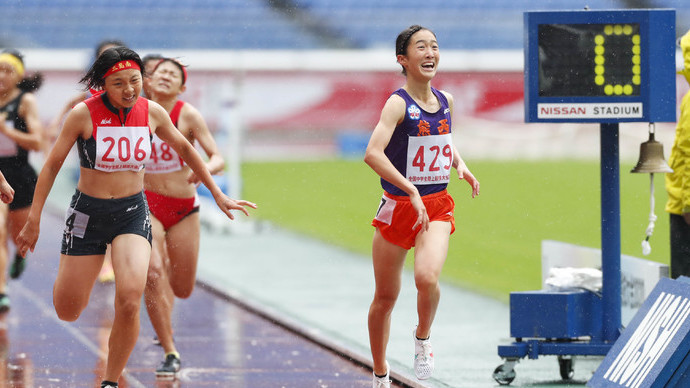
429 159
432 153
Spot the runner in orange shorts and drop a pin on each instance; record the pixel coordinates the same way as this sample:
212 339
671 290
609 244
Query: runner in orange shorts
411 149
396 216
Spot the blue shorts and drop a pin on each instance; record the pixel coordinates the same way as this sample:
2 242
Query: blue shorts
92 223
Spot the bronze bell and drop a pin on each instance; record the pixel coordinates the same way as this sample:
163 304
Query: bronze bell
651 157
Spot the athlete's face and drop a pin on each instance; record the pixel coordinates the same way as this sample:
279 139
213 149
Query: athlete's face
123 88
167 79
8 78
422 55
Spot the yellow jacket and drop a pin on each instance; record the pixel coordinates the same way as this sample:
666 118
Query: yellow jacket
678 181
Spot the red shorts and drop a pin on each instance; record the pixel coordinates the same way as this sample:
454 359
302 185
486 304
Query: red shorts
170 210
396 216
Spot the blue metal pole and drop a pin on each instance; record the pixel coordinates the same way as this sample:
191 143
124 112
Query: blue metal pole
610 231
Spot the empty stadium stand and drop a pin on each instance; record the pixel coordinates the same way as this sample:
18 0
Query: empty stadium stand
281 24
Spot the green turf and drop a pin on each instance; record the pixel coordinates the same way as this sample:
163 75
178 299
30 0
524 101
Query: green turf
496 248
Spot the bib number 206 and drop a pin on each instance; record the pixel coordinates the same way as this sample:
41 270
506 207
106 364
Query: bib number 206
124 150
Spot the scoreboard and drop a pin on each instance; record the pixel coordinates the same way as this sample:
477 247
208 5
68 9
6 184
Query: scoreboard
600 66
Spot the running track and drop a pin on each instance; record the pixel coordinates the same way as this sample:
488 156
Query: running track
222 344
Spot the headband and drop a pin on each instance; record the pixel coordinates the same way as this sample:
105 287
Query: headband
122 65
15 62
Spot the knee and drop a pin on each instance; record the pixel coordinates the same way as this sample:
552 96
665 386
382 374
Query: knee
183 293
68 307
154 275
68 312
128 303
182 290
426 281
68 315
384 302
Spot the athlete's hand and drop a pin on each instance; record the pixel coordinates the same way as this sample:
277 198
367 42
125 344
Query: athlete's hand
193 179
420 209
27 237
6 192
226 204
464 173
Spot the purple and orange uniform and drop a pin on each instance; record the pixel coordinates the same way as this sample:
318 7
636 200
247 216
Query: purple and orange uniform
421 149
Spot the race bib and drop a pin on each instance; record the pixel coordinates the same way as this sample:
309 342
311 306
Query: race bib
163 158
385 211
122 148
429 159
76 223
8 147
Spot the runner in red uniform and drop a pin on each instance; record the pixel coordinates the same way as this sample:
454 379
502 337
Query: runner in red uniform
171 191
53 128
113 131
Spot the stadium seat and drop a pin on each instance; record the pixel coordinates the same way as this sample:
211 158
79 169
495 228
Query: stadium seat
255 24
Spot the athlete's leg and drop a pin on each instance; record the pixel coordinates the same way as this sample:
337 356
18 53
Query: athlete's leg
388 260
75 279
106 274
17 219
4 226
130 256
431 249
182 241
158 294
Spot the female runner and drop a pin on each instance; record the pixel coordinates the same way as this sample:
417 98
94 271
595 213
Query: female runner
106 275
20 132
113 133
411 150
171 193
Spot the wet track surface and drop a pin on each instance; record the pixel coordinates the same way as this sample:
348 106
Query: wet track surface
221 343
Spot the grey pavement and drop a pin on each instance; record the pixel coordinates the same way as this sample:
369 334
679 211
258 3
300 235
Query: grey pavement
323 292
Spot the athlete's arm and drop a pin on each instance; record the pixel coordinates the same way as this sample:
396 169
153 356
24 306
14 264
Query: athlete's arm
28 110
6 191
77 123
393 113
458 163
191 118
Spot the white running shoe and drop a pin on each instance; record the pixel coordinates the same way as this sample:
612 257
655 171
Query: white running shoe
382 382
423 357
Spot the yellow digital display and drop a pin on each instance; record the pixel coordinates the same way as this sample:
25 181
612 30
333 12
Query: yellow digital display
589 60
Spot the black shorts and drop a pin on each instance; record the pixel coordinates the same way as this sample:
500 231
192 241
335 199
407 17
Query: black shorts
92 223
23 180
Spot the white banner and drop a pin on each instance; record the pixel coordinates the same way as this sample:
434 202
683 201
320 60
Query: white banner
611 110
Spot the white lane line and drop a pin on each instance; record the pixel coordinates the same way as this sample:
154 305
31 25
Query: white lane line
49 312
